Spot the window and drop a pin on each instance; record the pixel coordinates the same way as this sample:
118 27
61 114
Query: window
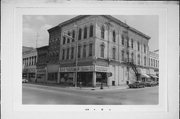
85 32
144 60
73 35
138 46
80 33
144 48
127 42
72 52
84 51
114 53
64 39
102 50
151 62
90 49
114 36
91 31
132 43
79 51
138 59
102 32
128 56
122 39
122 55
68 39
132 57
67 56
63 54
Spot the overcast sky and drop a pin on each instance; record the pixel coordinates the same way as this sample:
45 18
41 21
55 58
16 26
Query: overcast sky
35 27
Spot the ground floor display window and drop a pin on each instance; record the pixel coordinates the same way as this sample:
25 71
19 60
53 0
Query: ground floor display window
66 78
52 76
101 79
84 78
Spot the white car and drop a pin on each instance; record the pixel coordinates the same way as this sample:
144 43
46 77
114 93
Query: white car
24 80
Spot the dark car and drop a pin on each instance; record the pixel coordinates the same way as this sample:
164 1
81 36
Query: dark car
147 84
136 84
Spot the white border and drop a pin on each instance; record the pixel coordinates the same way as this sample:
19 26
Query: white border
12 89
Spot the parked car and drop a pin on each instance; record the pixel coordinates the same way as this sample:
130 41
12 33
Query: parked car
24 80
136 84
154 83
147 84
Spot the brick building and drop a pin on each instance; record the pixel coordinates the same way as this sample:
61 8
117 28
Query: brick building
98 44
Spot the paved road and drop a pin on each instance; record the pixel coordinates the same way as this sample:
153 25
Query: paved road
36 94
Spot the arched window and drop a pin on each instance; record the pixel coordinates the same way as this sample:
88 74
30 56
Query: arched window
85 32
114 36
122 37
138 46
114 53
132 43
102 50
73 35
144 60
91 31
80 33
122 55
102 32
132 57
138 59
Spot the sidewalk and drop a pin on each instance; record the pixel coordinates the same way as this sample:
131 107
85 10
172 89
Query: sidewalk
82 88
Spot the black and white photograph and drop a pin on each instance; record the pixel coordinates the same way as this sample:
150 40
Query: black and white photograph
90 59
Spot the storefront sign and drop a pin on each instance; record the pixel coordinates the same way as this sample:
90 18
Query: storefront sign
79 69
101 69
29 70
40 71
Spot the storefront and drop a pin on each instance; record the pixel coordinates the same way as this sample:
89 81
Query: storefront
41 75
86 75
29 74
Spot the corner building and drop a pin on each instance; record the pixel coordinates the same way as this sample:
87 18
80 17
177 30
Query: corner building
99 44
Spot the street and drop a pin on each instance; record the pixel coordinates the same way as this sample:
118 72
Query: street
38 94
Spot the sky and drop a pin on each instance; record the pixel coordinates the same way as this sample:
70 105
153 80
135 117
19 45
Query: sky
35 27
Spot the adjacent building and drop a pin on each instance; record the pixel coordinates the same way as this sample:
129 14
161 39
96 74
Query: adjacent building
29 57
42 53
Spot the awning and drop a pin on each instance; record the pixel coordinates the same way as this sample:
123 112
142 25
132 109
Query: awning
152 75
144 75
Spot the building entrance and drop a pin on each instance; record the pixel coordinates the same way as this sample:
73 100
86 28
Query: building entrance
101 79
85 78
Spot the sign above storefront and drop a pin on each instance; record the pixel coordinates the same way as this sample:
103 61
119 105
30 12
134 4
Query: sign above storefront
84 69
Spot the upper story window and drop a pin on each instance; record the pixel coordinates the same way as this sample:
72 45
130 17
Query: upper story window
114 53
132 43
85 32
102 50
64 39
102 32
138 59
128 56
91 31
144 48
144 60
84 51
73 35
132 57
79 51
122 53
63 54
67 55
80 33
127 42
138 44
72 52
68 39
114 36
151 62
122 39
90 49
